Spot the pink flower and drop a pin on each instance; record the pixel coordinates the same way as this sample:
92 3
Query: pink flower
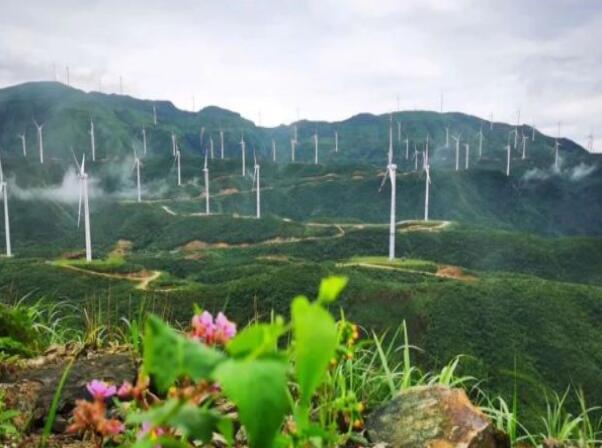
203 327
152 431
100 390
125 390
224 329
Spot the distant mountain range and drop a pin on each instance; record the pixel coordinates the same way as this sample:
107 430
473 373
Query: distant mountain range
118 121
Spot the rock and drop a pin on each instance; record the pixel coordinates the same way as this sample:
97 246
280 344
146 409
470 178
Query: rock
31 391
433 416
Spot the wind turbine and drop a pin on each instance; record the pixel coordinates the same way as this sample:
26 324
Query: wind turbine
467 155
202 135
137 168
556 154
177 160
533 133
23 144
415 158
524 138
83 194
336 141
457 139
174 144
243 151
144 139
427 184
491 121
407 147
4 191
508 155
92 141
273 150
155 115
221 142
211 147
40 127
256 187
391 173
399 131
315 147
206 175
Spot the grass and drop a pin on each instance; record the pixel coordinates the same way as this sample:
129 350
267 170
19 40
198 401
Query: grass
409 264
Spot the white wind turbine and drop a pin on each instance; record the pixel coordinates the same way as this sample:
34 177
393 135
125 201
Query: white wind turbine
427 184
202 135
177 160
407 147
243 150
391 173
211 147
4 191
467 155
556 154
524 142
206 175
221 142
83 194
293 144
40 127
23 144
174 144
336 141
256 187
533 133
144 139
590 142
457 139
137 168
491 121
508 157
273 150
92 141
415 158
155 115
315 147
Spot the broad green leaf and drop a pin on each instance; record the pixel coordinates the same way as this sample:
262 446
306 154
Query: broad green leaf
330 288
257 340
192 422
315 336
258 388
169 355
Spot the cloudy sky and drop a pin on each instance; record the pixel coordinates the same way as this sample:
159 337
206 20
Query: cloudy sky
323 59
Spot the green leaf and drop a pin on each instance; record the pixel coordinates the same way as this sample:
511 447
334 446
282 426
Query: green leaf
259 389
192 422
330 288
169 355
257 340
315 336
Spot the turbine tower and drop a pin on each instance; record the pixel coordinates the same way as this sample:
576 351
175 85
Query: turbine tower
256 187
155 115
83 194
137 168
315 147
221 142
273 150
144 139
391 173
457 139
206 175
427 184
533 133
590 142
447 136
293 144
4 191
92 141
174 144
336 141
556 154
23 144
467 155
243 151
407 147
508 155
178 162
40 127
415 158
211 147
524 138
491 121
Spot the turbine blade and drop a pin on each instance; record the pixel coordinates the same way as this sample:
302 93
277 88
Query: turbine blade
382 184
79 207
